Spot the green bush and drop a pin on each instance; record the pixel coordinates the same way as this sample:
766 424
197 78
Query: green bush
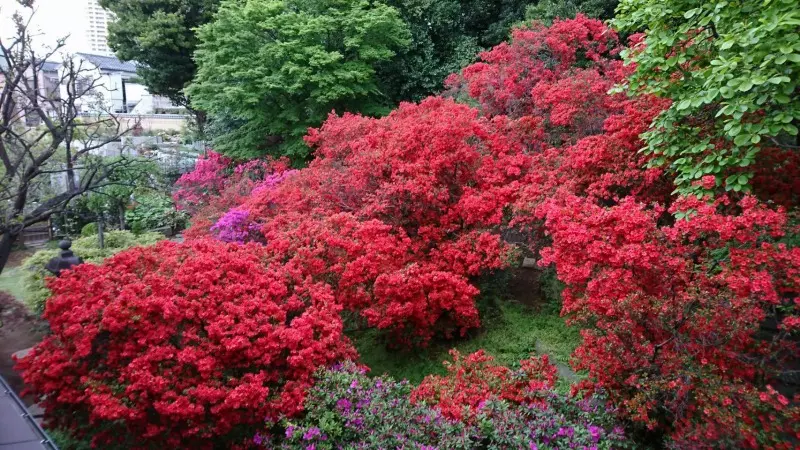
89 229
88 248
155 211
65 441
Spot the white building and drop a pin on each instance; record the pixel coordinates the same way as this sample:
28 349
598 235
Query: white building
95 22
118 89
117 84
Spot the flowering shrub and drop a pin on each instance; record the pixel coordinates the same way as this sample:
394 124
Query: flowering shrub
676 314
235 226
347 409
217 186
88 248
185 345
205 181
561 73
473 380
398 213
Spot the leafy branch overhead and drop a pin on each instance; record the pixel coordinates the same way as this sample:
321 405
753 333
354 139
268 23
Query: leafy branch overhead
731 69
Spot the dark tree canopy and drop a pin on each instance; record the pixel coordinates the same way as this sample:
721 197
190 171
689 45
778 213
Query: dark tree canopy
160 35
446 35
548 10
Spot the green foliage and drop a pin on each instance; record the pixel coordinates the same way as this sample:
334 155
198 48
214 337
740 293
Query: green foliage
155 210
439 46
273 68
510 333
160 35
551 288
548 10
65 441
109 202
446 35
489 21
732 70
90 229
88 248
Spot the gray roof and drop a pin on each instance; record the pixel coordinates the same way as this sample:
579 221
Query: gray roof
47 66
50 66
109 63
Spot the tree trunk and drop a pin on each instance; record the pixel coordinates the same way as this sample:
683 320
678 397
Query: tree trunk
100 237
70 164
122 217
6 243
200 118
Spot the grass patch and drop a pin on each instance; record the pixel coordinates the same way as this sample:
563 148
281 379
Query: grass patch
510 333
11 282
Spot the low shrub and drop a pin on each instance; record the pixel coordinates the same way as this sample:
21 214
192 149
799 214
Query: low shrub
474 379
90 229
88 248
155 210
180 345
348 409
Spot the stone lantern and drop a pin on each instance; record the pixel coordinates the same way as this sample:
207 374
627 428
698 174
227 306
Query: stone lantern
66 260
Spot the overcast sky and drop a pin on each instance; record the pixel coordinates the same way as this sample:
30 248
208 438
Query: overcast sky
53 19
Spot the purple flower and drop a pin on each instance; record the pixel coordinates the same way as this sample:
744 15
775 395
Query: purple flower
595 432
311 433
235 226
343 404
533 446
258 439
289 431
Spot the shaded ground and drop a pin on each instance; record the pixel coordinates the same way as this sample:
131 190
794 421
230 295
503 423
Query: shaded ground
513 329
19 330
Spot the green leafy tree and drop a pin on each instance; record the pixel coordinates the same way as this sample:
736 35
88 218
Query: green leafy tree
489 21
732 70
446 35
439 46
272 68
548 10
160 35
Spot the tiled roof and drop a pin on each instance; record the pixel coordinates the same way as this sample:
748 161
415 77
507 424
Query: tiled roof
109 63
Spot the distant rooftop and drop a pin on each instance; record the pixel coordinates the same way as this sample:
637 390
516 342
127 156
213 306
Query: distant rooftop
50 66
109 63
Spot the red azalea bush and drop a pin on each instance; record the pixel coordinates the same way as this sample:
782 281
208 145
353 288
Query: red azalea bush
558 75
196 188
674 315
474 379
217 185
181 345
398 214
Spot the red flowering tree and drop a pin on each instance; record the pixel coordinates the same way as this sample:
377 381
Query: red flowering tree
474 379
183 345
555 79
217 186
194 189
674 315
398 214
